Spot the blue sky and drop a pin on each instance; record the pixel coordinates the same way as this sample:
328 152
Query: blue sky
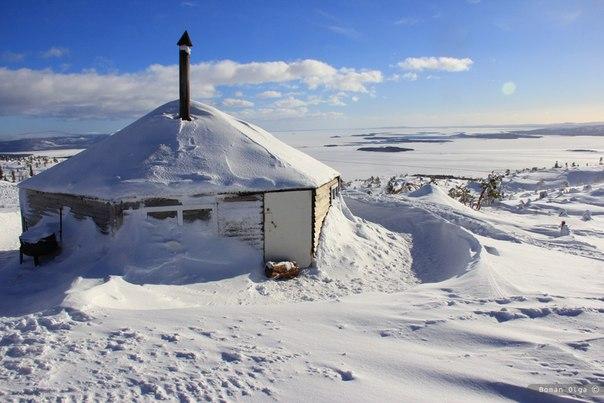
91 66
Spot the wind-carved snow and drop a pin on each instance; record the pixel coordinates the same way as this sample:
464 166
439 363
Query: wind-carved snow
409 289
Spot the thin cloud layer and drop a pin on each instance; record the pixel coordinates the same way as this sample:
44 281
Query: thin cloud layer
90 94
269 94
55 51
12 57
450 64
237 103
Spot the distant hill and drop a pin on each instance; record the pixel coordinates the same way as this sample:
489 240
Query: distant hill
569 130
51 143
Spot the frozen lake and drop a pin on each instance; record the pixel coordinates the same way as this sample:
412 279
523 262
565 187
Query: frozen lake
461 156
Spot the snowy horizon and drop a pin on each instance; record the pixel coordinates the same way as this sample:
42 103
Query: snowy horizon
94 68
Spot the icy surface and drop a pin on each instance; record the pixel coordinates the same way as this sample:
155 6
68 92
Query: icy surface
160 154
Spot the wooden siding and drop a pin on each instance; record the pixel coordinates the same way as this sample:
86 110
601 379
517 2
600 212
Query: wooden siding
321 203
38 204
242 217
238 216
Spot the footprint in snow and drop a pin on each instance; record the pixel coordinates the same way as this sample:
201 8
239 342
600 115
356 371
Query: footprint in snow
172 338
579 345
231 356
503 315
345 375
536 312
185 355
564 311
491 250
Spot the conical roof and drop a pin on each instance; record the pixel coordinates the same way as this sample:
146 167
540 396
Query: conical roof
160 155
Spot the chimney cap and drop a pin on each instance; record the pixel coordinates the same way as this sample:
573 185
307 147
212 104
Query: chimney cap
184 40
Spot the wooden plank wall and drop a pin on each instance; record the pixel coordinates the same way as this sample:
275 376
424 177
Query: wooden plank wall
322 201
38 204
241 216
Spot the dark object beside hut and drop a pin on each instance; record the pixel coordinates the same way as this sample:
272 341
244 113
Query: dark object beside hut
39 241
281 270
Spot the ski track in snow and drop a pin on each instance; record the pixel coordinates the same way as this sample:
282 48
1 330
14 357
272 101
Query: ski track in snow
504 303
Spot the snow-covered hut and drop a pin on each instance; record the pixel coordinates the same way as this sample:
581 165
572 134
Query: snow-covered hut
211 170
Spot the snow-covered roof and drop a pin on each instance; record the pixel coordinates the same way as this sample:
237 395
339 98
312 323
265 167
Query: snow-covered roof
160 155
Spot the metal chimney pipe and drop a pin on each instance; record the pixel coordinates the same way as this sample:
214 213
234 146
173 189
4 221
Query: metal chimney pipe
184 56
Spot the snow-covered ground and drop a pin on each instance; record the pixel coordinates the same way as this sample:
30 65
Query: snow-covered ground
413 296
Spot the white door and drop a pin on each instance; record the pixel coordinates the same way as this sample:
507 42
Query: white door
288 226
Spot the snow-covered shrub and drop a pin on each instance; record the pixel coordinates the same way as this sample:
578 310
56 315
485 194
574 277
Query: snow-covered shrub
586 216
491 190
400 185
462 194
372 182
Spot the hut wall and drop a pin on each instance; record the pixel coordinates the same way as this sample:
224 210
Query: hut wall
232 215
321 203
36 204
241 216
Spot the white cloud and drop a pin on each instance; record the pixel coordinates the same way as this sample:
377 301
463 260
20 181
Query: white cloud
12 57
336 100
55 51
344 31
269 94
270 114
289 102
450 64
90 94
410 76
239 94
237 103
407 21
566 18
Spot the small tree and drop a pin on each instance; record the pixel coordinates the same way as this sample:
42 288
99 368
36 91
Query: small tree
400 185
462 194
31 170
1 173
556 165
491 190
13 177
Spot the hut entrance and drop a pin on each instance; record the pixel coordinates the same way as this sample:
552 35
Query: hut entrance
288 226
